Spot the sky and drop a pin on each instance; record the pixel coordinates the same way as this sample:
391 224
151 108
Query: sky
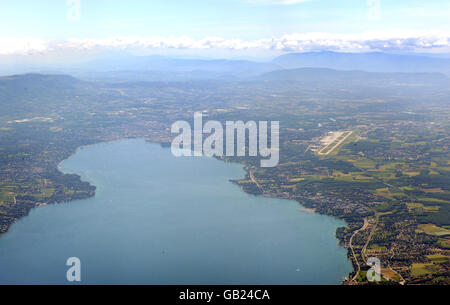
233 26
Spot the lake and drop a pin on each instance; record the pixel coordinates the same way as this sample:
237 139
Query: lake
158 219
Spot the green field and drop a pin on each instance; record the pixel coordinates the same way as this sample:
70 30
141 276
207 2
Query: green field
438 258
418 270
432 229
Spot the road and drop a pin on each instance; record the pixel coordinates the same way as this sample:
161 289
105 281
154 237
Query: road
254 180
364 227
363 251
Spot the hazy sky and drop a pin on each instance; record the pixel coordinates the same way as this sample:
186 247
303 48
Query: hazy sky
283 25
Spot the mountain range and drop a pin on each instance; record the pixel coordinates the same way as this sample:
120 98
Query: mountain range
160 68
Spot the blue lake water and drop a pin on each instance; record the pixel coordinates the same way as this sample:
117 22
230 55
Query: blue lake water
157 219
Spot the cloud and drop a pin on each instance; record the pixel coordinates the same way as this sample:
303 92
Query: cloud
296 42
9 46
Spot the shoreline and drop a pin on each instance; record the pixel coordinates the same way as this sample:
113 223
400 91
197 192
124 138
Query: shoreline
302 207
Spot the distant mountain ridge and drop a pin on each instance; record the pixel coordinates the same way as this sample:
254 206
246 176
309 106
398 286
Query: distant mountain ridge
127 67
153 68
370 62
326 73
173 69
